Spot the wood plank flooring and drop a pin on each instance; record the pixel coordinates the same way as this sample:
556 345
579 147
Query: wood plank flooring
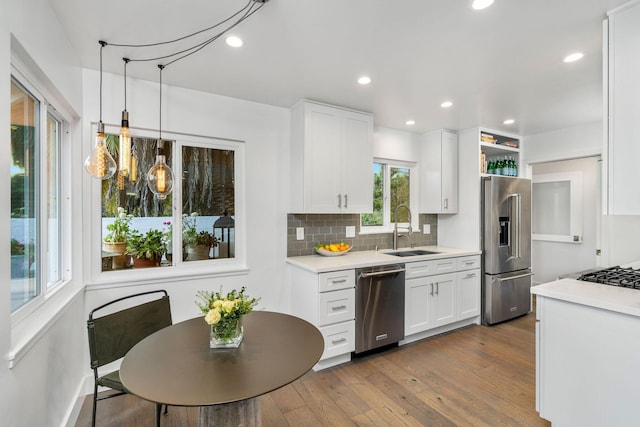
477 376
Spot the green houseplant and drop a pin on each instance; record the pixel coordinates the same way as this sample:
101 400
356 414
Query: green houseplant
115 241
197 244
146 249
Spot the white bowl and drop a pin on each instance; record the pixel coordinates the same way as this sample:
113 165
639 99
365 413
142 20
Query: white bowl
325 252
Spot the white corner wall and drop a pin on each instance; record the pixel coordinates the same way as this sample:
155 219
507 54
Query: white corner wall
567 143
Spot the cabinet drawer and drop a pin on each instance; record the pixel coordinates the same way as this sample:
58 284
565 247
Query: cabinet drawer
419 269
445 265
339 339
468 262
335 280
336 306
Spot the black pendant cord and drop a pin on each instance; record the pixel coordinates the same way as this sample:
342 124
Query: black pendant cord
160 121
248 10
126 61
184 37
102 45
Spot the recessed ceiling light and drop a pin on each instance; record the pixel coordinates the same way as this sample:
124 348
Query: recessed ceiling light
364 80
234 41
573 57
481 4
446 104
509 122
410 122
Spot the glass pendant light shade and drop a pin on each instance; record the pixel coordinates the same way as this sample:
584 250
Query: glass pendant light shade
124 151
133 175
100 164
160 177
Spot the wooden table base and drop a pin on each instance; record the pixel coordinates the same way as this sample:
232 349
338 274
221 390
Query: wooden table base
244 413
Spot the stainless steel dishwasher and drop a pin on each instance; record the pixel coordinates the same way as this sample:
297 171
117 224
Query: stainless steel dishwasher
379 306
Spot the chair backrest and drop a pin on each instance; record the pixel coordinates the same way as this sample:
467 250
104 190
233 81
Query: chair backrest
113 335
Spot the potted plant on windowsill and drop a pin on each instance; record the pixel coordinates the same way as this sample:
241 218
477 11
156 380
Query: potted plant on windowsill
115 241
197 244
146 249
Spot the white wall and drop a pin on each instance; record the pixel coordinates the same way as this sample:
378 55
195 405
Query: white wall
40 388
396 144
561 144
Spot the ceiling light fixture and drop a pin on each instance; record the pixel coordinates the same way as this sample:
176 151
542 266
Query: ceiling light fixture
100 164
446 104
573 57
410 122
481 4
160 177
234 41
124 148
509 122
364 80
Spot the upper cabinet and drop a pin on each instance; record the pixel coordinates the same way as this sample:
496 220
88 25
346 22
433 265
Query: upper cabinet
621 173
331 159
439 172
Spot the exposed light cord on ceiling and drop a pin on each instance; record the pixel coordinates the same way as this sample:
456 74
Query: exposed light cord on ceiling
248 10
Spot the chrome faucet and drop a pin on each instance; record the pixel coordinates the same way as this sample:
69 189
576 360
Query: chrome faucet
395 228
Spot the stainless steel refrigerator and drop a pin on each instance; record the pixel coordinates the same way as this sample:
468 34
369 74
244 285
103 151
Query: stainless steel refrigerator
506 240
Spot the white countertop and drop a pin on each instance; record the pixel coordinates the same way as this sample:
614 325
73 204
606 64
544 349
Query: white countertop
358 259
613 298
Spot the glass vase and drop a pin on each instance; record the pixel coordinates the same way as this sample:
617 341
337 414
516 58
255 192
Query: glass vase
226 334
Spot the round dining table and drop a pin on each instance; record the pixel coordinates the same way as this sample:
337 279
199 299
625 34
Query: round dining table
176 367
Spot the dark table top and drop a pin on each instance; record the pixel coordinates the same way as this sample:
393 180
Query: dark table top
175 365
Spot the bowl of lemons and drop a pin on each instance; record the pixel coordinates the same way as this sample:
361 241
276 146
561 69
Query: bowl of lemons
333 249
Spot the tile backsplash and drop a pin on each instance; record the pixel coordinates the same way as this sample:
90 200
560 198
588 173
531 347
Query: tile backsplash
330 228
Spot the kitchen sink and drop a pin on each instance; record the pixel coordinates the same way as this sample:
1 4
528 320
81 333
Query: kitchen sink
416 252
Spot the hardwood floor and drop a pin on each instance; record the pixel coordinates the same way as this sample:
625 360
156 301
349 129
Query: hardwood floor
477 376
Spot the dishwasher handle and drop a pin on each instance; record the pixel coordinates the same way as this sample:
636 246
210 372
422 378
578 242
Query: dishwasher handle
381 273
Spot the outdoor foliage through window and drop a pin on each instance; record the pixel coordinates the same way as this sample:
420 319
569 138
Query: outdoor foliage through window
391 188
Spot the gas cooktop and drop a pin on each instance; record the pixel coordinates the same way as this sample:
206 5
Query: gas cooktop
616 276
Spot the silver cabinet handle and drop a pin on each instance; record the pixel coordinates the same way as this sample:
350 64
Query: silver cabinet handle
345 201
338 341
431 289
437 288
339 307
338 281
446 203
471 275
339 200
381 273
520 276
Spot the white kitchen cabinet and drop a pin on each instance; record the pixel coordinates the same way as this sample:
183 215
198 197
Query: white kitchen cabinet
331 159
327 300
439 176
620 172
434 299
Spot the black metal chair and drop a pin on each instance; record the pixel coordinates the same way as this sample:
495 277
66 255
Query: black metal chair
112 335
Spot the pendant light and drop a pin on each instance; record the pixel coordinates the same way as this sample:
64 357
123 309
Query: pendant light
100 164
124 151
160 177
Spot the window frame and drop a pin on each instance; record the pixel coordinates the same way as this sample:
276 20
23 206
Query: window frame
388 226
44 95
180 269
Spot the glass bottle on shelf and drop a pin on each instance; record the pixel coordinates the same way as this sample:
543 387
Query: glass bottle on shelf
491 167
500 166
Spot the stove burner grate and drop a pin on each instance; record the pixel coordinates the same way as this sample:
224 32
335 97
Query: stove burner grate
614 276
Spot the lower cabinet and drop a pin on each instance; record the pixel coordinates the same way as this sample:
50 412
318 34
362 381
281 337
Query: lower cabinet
327 300
434 300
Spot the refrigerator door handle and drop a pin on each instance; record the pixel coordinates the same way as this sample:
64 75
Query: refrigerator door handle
520 276
516 224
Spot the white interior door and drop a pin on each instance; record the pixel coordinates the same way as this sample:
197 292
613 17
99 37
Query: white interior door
565 209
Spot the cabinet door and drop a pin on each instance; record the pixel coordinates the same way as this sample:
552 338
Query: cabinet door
322 133
357 163
439 177
468 285
449 172
444 299
416 311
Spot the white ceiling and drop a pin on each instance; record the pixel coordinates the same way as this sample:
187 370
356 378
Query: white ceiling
502 62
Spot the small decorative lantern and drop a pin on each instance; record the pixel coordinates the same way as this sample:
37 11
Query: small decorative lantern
226 244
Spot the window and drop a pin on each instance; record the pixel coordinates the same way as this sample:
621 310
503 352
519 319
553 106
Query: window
36 227
557 207
194 224
393 186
